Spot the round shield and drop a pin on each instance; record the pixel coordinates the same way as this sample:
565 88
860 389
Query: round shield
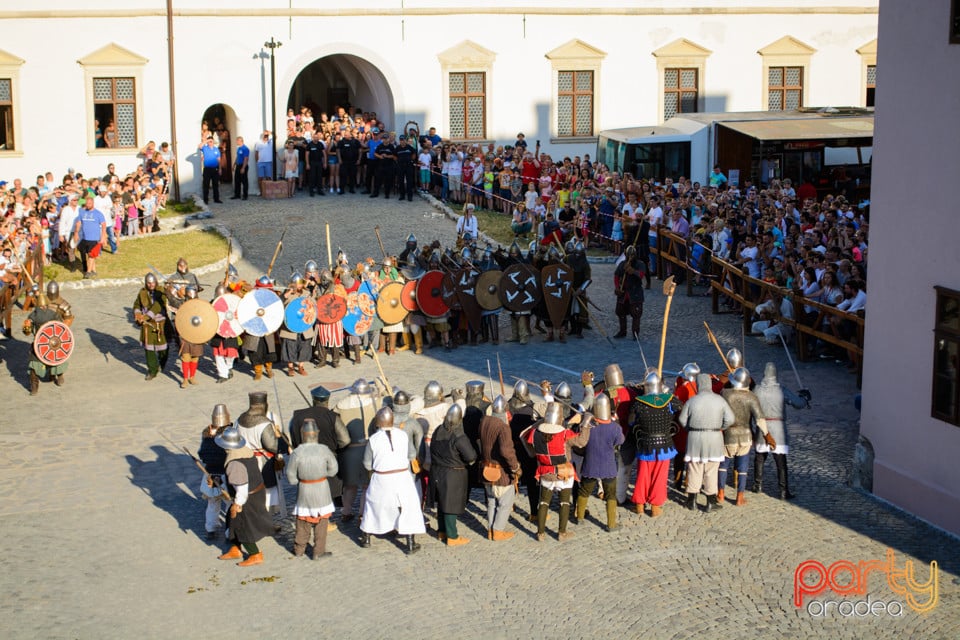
300 314
331 308
226 308
488 290
260 312
428 294
409 296
54 343
448 291
361 308
197 321
520 287
388 304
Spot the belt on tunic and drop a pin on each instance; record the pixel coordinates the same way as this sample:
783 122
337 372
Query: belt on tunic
357 444
260 453
778 419
393 470
313 481
259 488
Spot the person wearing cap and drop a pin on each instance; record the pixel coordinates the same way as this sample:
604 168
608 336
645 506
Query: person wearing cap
330 432
310 467
213 459
406 169
247 518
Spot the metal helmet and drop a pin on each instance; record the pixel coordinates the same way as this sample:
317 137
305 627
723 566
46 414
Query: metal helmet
360 387
613 376
770 374
258 400
740 378
311 268
232 274
296 278
348 280
219 291
553 254
474 388
384 418
652 383
570 246
309 431
601 407
149 279
454 417
435 258
499 407
220 416
53 290
326 276
432 393
520 390
532 248
230 439
190 292
630 252
401 403
466 253
690 371
411 242
553 413
578 247
734 358
388 262
264 282
514 251
563 393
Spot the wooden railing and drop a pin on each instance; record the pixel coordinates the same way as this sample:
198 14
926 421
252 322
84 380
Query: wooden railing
732 282
11 292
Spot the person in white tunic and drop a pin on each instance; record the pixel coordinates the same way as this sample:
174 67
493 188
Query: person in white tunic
392 503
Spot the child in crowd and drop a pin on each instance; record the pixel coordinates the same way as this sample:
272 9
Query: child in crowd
149 207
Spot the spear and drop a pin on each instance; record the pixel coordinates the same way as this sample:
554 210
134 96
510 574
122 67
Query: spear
276 252
215 480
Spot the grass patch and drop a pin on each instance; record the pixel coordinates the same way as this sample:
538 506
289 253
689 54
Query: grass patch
198 247
497 226
179 208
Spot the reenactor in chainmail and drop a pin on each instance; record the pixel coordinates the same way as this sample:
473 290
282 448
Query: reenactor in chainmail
738 438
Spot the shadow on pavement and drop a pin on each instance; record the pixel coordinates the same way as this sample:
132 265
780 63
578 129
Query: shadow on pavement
16 354
123 350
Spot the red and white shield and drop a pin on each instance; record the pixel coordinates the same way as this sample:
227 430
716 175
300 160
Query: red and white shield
54 343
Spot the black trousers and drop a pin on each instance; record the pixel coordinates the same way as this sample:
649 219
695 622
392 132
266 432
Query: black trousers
315 177
372 166
386 175
240 182
348 176
211 175
406 179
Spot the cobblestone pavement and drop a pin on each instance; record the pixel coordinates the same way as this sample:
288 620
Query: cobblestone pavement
104 534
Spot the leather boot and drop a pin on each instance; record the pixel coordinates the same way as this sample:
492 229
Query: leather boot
580 510
720 495
514 329
34 383
256 558
356 354
612 515
495 329
656 510
365 541
459 541
484 331
500 536
58 380
257 371
268 369
691 501
782 477
321 354
622 333
233 554
413 546
407 341
320 541
418 342
563 334
391 344
758 461
712 503
335 357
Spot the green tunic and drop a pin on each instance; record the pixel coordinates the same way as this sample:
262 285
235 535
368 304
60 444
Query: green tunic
153 306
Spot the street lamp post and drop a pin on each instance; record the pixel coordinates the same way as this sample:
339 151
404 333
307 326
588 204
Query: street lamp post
272 45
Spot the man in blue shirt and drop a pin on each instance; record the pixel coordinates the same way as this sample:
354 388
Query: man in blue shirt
372 161
211 170
240 170
90 232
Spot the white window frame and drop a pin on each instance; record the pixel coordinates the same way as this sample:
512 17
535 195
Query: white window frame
10 70
574 55
113 61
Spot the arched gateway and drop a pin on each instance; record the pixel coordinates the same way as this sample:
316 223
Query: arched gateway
341 80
